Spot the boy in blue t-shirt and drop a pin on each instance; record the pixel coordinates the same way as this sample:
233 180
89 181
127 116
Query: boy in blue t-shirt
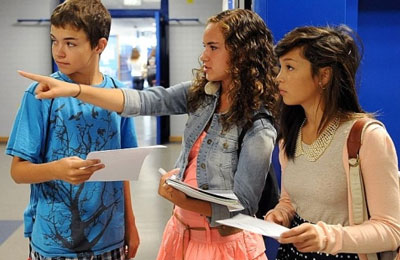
66 216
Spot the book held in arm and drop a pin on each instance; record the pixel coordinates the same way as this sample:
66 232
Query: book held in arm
222 197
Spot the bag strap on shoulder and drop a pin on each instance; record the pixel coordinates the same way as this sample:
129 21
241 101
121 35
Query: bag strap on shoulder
356 133
356 183
357 190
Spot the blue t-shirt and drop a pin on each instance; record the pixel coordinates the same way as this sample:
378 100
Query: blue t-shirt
63 219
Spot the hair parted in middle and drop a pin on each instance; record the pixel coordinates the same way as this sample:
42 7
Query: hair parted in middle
252 67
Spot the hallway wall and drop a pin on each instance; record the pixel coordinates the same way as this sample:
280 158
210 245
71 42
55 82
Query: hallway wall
24 46
186 45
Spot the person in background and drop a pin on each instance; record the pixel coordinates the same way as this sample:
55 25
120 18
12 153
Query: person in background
138 69
68 218
151 68
235 82
319 105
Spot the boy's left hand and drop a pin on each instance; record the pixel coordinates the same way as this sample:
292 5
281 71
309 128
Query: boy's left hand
132 240
304 237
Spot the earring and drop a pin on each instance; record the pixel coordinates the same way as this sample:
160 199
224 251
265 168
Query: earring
320 85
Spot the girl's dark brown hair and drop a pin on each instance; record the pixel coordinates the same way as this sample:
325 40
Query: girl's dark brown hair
334 47
252 61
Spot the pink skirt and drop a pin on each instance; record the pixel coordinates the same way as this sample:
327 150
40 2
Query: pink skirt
180 243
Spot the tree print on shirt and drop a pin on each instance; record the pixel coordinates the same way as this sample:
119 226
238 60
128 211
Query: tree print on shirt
77 134
70 228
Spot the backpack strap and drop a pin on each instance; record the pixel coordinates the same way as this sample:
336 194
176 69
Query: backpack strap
247 127
113 81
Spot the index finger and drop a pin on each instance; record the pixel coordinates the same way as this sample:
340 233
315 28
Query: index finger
32 76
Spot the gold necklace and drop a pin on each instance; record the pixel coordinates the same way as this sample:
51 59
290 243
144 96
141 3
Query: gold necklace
318 147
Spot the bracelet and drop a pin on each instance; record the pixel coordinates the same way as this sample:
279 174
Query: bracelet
79 92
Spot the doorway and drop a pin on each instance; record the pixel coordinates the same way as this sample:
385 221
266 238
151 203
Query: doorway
128 34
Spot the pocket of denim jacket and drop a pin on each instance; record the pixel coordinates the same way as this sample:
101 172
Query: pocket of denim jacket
227 150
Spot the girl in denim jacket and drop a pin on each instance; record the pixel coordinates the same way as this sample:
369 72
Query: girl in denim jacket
235 82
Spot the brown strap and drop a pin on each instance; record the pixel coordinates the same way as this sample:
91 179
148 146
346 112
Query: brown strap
354 139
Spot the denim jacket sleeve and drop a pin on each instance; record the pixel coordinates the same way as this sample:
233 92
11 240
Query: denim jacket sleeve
156 101
252 169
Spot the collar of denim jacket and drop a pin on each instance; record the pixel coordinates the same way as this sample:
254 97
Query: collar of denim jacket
212 87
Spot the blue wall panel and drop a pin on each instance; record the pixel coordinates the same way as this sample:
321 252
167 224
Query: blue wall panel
283 16
380 70
378 25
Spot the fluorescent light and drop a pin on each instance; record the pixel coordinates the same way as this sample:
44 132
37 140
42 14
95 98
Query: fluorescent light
132 2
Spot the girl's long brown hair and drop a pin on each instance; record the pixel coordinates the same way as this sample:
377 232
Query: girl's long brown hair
252 62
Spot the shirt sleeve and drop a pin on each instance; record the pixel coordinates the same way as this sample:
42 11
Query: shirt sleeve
28 133
284 205
251 173
253 166
156 101
380 175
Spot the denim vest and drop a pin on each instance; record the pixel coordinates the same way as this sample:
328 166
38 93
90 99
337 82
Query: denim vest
218 165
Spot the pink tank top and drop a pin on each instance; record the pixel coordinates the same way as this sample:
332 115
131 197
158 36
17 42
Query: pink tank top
190 172
192 218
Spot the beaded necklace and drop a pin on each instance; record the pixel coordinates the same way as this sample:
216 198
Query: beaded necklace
318 147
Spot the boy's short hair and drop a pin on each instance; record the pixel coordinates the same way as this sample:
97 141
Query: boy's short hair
89 15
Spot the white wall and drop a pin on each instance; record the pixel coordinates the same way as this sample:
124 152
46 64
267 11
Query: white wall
24 46
186 45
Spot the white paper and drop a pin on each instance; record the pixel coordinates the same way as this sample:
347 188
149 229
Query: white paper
121 164
222 197
254 225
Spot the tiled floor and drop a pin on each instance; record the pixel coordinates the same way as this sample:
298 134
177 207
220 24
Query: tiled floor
152 211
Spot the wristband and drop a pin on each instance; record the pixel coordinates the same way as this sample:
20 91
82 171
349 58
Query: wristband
79 92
